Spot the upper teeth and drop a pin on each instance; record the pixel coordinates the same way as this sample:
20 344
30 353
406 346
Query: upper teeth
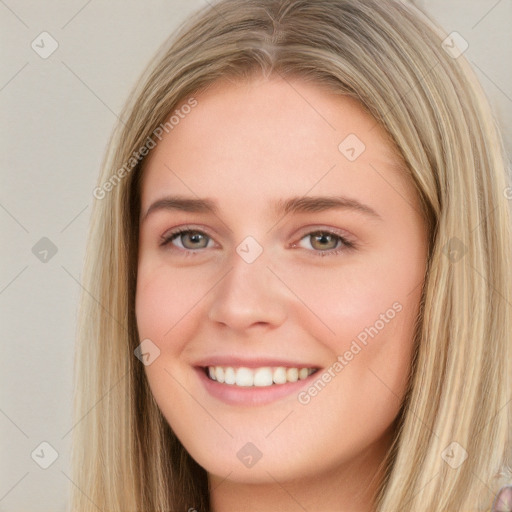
265 376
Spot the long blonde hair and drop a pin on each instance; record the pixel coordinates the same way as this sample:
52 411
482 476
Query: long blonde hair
393 60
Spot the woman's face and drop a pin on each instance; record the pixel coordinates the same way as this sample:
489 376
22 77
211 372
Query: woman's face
295 281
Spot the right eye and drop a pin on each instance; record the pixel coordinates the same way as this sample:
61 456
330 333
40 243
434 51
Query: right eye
186 239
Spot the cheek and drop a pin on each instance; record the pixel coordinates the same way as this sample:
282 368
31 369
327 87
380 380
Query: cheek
165 307
354 302
165 299
366 317
371 349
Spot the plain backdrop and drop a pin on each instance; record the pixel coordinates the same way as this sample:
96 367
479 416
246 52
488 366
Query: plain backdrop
57 115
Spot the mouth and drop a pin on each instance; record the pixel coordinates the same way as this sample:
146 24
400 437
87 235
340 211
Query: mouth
262 377
241 382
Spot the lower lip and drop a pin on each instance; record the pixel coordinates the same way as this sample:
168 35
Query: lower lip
254 395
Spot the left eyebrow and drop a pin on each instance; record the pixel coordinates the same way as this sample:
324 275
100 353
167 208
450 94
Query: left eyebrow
305 204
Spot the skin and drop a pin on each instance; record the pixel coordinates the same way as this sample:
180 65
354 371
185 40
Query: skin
246 145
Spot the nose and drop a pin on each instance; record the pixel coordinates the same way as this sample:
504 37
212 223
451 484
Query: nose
248 295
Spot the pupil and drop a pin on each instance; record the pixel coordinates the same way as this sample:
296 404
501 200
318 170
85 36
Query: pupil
323 238
195 238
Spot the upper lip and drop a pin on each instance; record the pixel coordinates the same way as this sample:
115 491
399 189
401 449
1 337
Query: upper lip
259 362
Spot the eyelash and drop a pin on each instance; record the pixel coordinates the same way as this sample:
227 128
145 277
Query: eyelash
347 245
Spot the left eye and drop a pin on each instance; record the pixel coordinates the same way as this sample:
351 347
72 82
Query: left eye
324 241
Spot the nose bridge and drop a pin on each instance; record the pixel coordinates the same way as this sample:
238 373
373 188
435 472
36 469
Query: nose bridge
249 293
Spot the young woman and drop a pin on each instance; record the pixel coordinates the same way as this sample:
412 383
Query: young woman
298 277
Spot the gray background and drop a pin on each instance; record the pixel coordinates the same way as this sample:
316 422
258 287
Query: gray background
57 115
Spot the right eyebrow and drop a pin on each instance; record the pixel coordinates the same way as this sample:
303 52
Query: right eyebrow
183 204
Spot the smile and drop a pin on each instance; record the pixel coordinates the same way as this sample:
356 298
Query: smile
265 376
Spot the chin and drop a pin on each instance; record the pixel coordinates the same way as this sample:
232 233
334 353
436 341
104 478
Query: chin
235 464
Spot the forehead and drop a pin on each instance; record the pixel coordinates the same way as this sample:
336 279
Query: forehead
268 138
